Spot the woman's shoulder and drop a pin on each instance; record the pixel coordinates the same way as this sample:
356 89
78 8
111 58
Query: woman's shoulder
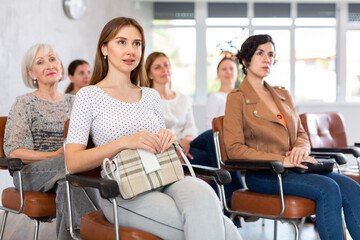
181 97
69 97
25 99
88 89
218 94
148 90
281 90
150 93
237 92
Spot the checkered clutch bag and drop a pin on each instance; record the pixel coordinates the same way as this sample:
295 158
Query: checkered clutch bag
127 169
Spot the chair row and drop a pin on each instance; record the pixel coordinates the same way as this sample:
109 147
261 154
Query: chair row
327 136
42 207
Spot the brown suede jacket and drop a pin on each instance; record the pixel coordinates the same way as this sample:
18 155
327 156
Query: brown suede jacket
252 131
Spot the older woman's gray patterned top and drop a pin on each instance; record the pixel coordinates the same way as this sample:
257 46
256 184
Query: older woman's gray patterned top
36 124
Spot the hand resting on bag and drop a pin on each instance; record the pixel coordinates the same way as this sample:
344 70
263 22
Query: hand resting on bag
287 163
151 142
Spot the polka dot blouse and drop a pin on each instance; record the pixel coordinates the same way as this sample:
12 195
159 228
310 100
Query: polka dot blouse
107 119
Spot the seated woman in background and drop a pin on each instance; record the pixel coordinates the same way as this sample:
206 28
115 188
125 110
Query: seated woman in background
34 130
121 113
179 118
227 72
79 74
261 123
178 113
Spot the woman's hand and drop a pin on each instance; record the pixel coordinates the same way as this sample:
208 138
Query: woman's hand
144 140
185 144
166 139
59 152
288 164
297 155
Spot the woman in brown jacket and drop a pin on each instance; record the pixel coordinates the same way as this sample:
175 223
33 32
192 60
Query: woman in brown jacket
261 123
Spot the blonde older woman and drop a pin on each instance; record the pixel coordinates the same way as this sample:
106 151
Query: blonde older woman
34 130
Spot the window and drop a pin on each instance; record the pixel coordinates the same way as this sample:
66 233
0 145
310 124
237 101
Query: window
311 14
226 31
352 54
280 73
174 23
353 66
221 42
272 14
315 76
315 51
169 10
354 13
181 53
310 39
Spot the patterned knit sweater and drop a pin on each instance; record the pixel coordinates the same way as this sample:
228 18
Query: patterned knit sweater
36 124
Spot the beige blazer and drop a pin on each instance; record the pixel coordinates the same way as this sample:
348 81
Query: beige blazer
252 131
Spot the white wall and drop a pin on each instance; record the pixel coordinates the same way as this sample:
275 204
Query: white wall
26 22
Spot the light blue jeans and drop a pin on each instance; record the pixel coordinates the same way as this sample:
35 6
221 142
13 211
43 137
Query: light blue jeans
49 176
187 209
331 192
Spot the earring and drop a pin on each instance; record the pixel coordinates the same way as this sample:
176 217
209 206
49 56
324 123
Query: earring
105 57
34 81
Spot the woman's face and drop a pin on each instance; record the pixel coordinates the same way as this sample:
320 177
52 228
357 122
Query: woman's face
124 50
227 72
46 68
81 77
160 70
262 60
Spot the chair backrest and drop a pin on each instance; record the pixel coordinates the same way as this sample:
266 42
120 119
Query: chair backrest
2 133
325 129
94 172
217 126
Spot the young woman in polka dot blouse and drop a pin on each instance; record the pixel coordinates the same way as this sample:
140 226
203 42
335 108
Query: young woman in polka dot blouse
119 112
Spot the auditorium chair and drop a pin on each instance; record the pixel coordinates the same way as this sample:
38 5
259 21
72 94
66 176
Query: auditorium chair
326 132
38 206
94 225
246 203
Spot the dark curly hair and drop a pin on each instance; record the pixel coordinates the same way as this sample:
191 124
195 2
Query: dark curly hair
249 47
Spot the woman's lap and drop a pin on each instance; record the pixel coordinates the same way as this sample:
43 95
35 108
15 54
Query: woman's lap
42 175
331 191
163 213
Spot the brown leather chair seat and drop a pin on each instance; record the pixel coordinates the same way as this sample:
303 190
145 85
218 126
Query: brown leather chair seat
269 204
95 226
37 204
354 175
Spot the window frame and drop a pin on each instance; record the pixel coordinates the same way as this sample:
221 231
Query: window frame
341 27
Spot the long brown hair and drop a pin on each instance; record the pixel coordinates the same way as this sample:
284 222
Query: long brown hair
138 75
149 61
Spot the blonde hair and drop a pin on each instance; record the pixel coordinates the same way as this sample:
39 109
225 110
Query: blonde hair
28 60
138 75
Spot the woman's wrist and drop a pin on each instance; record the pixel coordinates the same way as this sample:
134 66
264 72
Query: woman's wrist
122 143
188 138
